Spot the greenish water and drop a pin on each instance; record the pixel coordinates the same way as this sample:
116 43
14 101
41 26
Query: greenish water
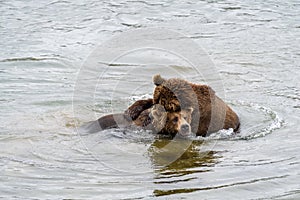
255 49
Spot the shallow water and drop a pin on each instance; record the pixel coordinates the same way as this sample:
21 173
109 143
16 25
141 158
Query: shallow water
46 49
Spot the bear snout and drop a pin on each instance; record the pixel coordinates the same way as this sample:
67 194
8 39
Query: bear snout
185 129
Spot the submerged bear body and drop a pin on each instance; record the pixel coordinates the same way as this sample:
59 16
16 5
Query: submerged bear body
145 115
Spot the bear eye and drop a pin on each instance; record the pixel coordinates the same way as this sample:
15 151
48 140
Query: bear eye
175 120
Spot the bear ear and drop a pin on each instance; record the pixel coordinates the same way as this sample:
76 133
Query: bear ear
158 111
158 80
190 109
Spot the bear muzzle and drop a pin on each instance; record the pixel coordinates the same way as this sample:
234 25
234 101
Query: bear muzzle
185 129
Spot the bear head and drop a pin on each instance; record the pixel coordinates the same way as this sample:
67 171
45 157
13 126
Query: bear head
171 123
174 94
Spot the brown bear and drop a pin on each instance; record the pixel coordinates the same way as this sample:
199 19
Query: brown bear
148 116
210 113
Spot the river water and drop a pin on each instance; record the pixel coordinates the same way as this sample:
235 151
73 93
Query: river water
48 89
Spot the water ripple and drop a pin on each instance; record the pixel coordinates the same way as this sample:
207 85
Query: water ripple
189 190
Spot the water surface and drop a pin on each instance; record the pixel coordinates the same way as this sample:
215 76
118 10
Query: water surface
255 49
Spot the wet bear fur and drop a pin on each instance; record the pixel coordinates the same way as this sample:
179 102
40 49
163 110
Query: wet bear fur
210 113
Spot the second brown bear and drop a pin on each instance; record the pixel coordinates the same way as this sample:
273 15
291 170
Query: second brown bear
210 113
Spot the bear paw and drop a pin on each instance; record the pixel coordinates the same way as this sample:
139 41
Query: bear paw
137 108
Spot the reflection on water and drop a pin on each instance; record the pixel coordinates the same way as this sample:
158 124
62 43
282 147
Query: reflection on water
182 162
179 154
